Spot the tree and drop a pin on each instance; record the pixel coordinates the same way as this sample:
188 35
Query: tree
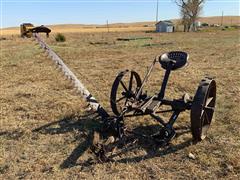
186 20
190 11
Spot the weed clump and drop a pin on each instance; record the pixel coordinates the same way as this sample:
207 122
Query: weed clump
60 37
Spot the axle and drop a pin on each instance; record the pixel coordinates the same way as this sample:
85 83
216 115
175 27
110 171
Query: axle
178 104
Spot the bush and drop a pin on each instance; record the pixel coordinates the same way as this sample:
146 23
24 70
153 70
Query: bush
205 24
60 37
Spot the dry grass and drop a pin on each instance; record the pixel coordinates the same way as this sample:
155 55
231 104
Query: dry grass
121 27
45 131
86 29
227 20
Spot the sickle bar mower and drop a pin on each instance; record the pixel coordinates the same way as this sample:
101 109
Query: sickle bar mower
127 100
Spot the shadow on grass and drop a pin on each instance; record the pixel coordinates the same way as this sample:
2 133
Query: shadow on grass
151 148
156 152
89 123
12 135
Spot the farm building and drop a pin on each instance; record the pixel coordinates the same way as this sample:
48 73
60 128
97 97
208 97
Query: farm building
198 24
165 26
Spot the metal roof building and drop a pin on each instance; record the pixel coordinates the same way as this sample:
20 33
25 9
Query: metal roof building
165 26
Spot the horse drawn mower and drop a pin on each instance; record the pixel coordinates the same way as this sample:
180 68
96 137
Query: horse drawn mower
127 100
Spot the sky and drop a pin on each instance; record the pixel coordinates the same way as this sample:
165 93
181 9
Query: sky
38 12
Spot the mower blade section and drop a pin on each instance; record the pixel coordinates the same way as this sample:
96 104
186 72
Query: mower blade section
87 96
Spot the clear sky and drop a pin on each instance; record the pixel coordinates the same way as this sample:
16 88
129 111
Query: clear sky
15 12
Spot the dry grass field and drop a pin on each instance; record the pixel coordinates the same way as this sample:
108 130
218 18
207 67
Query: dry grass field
122 27
45 130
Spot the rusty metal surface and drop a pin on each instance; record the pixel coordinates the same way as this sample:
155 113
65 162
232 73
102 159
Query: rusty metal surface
40 29
202 109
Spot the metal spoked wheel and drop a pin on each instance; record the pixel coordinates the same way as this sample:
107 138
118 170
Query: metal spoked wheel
203 108
124 89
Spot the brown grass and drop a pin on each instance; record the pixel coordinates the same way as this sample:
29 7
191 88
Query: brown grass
227 20
122 27
45 131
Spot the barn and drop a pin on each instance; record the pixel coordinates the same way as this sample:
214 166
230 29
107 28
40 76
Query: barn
165 26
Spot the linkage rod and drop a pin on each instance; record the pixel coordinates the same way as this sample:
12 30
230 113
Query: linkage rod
146 77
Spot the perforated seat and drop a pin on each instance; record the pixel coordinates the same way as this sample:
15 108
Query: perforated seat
177 58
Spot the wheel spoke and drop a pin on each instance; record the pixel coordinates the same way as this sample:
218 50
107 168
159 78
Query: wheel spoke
120 99
202 113
209 100
123 85
206 119
203 117
209 108
130 82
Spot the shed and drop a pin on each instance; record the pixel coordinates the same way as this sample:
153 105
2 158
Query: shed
198 23
165 26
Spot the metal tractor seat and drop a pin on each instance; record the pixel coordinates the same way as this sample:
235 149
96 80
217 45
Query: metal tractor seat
177 59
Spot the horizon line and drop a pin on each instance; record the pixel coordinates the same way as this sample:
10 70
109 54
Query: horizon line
126 22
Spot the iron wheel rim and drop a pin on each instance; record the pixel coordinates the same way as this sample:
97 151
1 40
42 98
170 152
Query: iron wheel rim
130 90
203 107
